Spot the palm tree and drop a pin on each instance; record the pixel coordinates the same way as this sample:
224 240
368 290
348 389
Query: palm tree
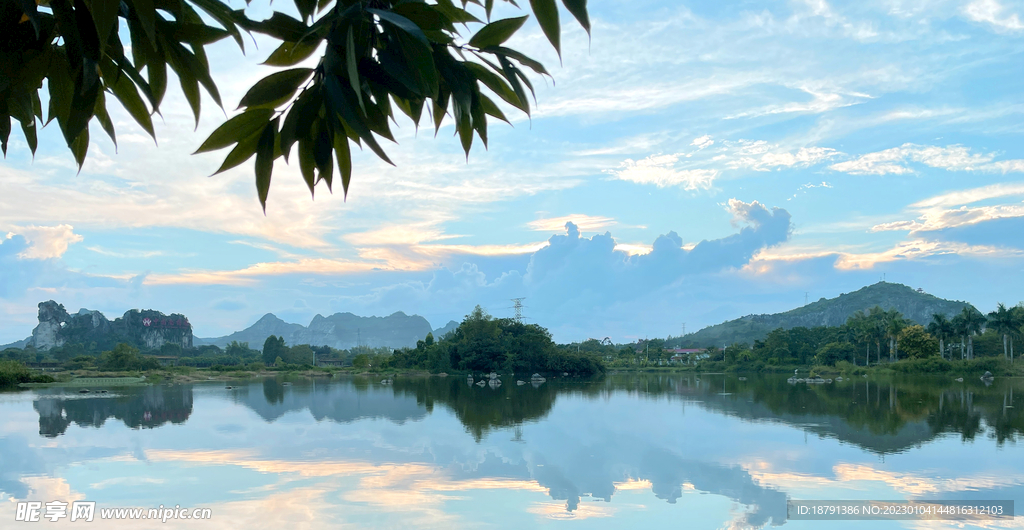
959 325
1017 322
975 323
894 324
940 327
876 329
859 327
1002 321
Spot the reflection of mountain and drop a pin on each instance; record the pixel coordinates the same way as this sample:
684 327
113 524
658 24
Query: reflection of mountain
144 407
340 401
879 416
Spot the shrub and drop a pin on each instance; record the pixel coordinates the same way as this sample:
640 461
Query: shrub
933 365
13 372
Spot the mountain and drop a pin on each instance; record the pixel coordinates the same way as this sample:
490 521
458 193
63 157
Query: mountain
148 329
448 328
915 305
340 330
19 344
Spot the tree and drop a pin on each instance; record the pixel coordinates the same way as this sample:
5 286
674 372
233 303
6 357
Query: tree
1003 322
940 327
300 354
966 325
894 324
378 55
833 352
125 357
917 343
274 350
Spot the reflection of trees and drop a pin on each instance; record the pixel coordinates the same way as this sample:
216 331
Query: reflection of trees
143 407
481 409
880 415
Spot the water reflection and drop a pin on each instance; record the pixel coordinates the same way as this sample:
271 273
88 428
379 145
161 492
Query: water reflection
589 446
140 407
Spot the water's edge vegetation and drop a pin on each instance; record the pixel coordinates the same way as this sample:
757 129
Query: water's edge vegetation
875 340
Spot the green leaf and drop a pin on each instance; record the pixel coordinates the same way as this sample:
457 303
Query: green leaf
195 65
456 14
523 59
104 16
306 8
265 161
157 72
353 67
29 129
198 34
275 89
291 53
497 32
344 158
578 8
307 164
242 152
296 124
279 25
236 129
126 93
547 17
60 87
498 86
342 104
490 108
79 147
104 118
402 23
512 75
146 12
189 85
5 132
222 14
322 145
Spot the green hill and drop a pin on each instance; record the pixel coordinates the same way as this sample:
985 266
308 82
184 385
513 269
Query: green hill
914 305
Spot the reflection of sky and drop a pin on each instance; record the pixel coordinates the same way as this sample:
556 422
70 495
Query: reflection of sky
618 461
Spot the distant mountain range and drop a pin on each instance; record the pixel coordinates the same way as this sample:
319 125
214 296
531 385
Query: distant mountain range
340 330
914 305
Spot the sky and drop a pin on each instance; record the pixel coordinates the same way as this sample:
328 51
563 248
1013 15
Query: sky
692 162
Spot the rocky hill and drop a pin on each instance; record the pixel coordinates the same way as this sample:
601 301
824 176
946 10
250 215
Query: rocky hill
340 330
448 328
914 305
147 329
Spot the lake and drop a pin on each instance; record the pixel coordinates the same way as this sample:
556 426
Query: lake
626 451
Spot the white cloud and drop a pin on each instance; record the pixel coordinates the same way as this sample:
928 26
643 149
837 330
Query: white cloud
702 142
958 209
761 156
994 13
660 170
46 242
895 161
584 222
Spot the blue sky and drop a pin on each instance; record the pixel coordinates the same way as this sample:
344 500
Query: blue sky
814 146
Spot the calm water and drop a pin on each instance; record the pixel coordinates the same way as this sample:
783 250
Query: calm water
683 451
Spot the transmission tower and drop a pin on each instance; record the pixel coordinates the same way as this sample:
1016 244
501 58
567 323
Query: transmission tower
518 306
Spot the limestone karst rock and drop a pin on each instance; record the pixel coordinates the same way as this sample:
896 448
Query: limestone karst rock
146 329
